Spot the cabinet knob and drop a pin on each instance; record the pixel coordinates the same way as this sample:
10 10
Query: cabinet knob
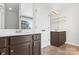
11 50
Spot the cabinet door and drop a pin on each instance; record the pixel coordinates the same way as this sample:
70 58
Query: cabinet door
21 49
62 38
54 38
37 47
3 42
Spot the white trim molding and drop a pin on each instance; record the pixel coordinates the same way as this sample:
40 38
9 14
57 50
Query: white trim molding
72 43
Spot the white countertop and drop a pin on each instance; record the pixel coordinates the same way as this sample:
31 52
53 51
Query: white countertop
6 33
57 31
15 34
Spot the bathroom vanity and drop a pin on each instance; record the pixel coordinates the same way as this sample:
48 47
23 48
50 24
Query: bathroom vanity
29 44
19 17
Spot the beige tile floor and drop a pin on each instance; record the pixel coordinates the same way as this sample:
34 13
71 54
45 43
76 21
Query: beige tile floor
65 49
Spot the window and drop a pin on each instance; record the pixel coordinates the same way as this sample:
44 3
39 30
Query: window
26 22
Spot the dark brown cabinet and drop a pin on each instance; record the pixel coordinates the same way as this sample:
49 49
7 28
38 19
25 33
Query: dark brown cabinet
62 38
21 49
37 48
21 45
4 51
4 46
58 38
20 39
3 42
37 44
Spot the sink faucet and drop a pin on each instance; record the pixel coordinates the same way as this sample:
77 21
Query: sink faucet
18 31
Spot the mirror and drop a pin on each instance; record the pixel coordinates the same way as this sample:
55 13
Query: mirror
12 18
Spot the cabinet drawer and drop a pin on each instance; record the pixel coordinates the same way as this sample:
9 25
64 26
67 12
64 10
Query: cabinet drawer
20 39
37 36
3 42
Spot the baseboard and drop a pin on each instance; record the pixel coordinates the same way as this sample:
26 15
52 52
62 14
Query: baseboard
72 43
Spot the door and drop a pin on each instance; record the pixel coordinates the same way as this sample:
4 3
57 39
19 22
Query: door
62 38
21 49
37 47
55 38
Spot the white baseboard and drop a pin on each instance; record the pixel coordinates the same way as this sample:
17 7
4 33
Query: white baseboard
72 44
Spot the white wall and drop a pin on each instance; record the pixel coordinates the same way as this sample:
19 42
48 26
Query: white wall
42 22
27 9
71 23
